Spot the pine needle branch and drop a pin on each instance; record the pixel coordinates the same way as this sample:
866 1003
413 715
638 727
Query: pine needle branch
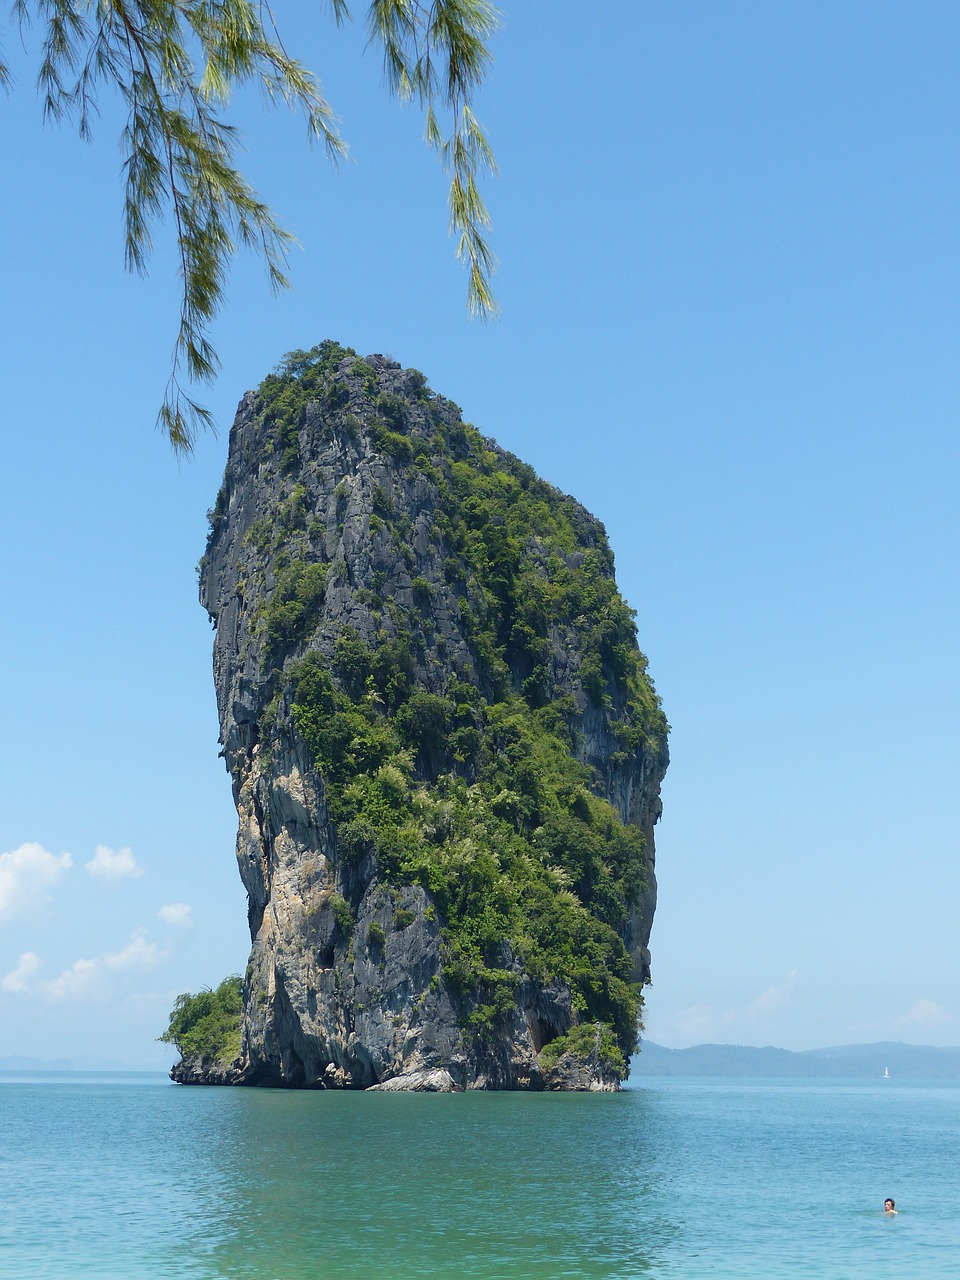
179 151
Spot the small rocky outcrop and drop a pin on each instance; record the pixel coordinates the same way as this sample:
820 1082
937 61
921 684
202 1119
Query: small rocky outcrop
445 750
586 1066
200 1070
436 1081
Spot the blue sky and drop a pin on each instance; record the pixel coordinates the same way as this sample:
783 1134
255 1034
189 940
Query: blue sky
729 279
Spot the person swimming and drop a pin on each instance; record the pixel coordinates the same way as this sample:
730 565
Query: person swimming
889 1206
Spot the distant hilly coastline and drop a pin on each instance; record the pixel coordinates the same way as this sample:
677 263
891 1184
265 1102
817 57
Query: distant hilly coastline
83 1063
904 1062
844 1062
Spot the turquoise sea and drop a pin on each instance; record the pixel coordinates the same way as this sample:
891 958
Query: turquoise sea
131 1178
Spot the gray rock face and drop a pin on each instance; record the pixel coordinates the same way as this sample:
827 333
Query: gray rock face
205 1071
331 522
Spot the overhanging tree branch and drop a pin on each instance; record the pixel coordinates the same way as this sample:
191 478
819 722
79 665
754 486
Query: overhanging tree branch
179 150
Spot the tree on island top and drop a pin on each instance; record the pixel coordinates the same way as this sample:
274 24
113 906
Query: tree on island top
175 64
207 1025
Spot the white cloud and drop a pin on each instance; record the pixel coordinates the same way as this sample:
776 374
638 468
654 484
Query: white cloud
17 979
925 1015
696 1025
26 874
774 998
109 864
91 978
137 954
77 981
705 1023
177 913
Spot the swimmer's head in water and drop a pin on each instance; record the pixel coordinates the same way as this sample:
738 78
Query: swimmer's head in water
889 1206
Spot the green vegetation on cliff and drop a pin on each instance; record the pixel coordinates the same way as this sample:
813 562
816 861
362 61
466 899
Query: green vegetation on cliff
470 788
522 859
207 1025
584 1040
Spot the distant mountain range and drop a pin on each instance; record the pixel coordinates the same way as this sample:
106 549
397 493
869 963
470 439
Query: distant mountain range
847 1062
82 1063
842 1062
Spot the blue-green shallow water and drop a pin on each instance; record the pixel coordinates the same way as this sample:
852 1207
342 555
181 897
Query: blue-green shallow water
122 1179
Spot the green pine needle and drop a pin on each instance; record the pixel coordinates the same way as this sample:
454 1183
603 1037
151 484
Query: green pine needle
179 151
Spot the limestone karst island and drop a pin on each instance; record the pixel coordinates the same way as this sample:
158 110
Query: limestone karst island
445 749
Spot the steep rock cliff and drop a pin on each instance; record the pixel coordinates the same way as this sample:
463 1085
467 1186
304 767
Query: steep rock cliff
446 753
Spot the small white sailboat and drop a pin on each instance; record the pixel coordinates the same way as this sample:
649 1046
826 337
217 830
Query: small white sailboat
886 1073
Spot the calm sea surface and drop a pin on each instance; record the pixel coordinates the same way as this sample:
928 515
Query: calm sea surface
131 1178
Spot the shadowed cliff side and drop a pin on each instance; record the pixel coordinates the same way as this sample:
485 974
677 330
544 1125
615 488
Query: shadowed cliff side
446 753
